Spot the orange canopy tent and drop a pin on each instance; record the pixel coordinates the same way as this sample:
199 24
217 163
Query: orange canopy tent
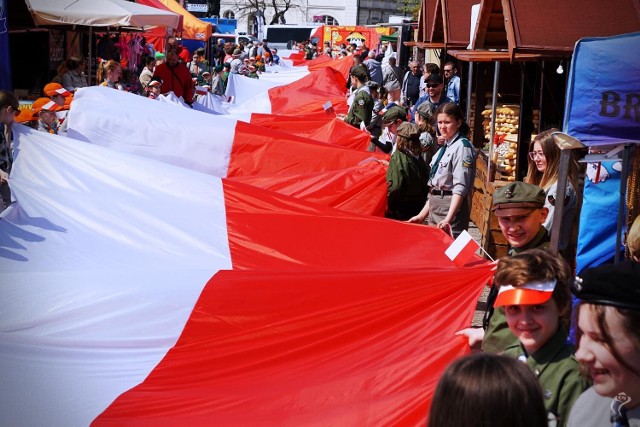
157 36
192 28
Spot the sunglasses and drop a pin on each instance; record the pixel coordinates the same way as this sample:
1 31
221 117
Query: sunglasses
534 154
432 86
15 112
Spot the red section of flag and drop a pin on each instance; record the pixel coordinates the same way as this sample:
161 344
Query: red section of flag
303 236
360 189
261 151
342 65
316 127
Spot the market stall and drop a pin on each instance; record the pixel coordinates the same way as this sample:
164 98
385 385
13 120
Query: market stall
87 15
526 59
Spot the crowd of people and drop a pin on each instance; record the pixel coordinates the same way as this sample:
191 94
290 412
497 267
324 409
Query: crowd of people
430 176
528 373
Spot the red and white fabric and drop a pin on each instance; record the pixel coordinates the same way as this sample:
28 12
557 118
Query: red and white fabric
135 292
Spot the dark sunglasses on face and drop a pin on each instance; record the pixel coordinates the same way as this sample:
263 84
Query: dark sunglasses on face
432 86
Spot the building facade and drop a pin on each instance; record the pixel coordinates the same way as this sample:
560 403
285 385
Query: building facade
330 12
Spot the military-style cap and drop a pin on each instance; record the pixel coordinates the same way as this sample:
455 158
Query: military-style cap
426 110
517 198
408 130
359 73
394 113
616 285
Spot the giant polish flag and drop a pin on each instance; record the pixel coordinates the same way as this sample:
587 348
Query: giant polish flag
135 292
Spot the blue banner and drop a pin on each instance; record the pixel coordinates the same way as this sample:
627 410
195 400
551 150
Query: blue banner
599 215
5 59
603 94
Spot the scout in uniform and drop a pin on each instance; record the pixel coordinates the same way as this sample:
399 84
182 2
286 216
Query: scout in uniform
520 210
534 291
609 345
362 106
406 175
391 119
452 171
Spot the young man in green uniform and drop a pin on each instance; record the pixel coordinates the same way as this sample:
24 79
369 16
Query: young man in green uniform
534 293
520 210
362 106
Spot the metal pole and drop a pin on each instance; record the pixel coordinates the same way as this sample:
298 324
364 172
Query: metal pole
494 103
90 53
561 186
469 81
623 199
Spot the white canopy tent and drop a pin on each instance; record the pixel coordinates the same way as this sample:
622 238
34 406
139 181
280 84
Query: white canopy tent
104 13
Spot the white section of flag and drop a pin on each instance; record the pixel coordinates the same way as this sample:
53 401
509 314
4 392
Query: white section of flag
134 124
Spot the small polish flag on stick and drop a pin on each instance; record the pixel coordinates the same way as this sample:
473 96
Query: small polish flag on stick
462 249
328 108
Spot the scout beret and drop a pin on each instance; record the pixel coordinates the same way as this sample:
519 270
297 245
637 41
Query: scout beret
426 110
359 73
394 113
617 285
408 130
518 195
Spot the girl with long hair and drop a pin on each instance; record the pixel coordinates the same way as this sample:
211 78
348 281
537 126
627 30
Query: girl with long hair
544 165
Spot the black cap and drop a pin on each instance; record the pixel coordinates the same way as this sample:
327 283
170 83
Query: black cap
434 78
617 285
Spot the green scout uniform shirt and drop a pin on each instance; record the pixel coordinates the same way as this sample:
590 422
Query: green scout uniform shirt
406 185
361 108
558 372
498 337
